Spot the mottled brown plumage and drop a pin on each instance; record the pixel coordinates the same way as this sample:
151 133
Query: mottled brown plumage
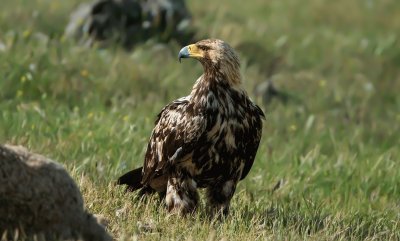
207 139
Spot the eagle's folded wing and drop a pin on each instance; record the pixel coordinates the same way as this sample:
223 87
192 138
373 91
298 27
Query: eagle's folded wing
178 130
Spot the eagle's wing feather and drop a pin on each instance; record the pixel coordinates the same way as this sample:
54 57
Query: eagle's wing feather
173 138
254 137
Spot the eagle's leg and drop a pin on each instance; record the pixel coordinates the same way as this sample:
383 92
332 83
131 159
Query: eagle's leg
219 197
182 196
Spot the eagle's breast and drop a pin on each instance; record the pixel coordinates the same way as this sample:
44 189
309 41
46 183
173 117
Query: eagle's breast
222 150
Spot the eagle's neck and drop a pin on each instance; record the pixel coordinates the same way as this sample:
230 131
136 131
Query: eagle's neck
217 89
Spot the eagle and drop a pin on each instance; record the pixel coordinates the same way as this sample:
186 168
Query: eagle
208 139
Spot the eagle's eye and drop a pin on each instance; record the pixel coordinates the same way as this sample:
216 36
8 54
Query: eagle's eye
204 47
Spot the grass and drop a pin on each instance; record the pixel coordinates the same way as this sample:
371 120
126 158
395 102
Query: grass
328 166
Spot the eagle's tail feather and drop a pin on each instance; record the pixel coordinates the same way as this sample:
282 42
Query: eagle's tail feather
132 178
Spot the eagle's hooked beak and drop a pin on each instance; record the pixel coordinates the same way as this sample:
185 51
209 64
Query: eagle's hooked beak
190 51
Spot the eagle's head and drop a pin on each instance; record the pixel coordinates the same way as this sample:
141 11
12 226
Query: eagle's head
217 58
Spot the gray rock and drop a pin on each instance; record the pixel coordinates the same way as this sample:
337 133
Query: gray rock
38 197
128 22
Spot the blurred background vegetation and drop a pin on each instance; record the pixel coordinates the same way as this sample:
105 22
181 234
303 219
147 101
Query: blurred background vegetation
334 144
